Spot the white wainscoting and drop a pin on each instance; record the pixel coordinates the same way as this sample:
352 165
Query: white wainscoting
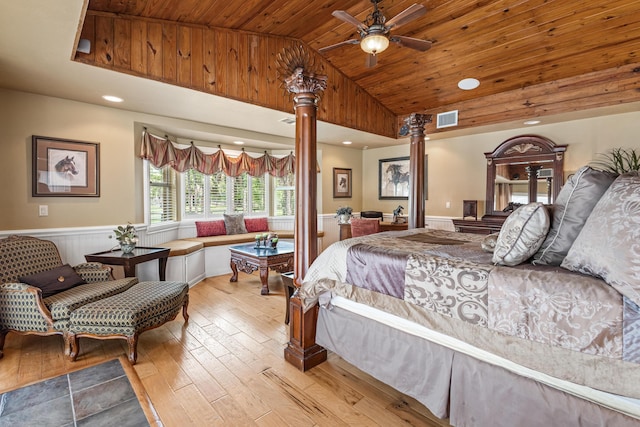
74 243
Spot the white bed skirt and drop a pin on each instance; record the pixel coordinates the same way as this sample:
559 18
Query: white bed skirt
453 379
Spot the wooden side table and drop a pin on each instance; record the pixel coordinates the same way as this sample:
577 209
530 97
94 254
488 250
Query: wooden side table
129 261
345 229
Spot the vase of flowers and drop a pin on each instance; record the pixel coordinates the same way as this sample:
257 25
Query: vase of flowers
127 238
343 213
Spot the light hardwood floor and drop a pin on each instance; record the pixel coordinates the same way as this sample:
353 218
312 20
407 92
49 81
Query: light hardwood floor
226 367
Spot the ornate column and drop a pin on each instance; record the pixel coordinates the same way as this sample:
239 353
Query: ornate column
295 68
416 124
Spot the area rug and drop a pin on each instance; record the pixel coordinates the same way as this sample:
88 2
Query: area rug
107 394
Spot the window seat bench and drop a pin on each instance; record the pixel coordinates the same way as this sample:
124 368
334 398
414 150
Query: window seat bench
194 258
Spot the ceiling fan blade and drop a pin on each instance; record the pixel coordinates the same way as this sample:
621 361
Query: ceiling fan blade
333 46
410 42
344 16
409 14
371 61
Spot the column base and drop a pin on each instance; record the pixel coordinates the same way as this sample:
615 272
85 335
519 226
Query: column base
306 359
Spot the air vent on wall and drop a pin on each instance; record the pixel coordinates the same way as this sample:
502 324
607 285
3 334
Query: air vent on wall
288 120
448 119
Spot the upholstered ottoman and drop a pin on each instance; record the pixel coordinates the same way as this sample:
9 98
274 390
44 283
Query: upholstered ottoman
143 306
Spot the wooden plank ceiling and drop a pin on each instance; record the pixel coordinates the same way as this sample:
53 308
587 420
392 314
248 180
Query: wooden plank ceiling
532 58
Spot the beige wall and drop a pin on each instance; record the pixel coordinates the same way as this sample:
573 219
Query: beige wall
118 132
339 157
456 168
24 115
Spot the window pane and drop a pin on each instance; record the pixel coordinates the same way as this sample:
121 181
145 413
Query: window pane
284 197
258 194
162 194
217 194
240 193
193 193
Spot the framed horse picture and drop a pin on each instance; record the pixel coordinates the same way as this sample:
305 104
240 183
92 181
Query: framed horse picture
393 178
341 183
65 168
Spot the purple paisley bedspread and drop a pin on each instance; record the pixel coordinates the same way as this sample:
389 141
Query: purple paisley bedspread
377 269
449 275
431 277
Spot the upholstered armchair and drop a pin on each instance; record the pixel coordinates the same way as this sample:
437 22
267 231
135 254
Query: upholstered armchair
44 306
364 226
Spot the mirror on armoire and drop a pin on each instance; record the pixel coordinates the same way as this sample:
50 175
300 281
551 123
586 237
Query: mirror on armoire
523 169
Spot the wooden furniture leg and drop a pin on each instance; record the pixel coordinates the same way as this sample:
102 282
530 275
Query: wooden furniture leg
264 280
133 348
3 335
234 269
184 309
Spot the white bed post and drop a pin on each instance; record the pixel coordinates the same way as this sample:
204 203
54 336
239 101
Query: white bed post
416 124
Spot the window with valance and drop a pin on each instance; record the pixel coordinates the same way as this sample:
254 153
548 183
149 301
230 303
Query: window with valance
217 183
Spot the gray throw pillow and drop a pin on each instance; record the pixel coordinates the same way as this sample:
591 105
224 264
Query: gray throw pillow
571 209
521 234
234 223
609 244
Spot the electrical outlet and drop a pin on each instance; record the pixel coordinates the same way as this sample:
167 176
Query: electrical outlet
43 210
447 205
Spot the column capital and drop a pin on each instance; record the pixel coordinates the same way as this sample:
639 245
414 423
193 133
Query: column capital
296 70
417 121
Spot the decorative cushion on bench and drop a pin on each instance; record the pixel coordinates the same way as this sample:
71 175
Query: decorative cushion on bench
255 225
210 228
234 223
235 239
182 247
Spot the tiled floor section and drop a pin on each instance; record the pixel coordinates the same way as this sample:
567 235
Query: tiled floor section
97 396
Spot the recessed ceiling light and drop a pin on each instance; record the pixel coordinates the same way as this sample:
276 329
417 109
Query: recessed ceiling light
238 142
532 122
468 84
112 98
347 142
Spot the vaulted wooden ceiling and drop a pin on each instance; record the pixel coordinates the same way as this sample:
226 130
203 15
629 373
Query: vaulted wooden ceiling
532 58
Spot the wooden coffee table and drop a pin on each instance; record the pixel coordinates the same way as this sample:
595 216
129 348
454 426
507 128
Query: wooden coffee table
247 258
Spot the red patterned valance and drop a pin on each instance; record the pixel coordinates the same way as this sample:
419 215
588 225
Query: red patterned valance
161 152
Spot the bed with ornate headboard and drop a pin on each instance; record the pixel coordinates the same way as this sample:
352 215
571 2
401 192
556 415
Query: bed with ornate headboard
547 323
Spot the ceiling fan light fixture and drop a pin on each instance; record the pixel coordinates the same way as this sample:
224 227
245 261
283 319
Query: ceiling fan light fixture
374 43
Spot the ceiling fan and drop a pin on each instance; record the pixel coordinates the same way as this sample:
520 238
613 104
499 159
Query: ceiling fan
375 31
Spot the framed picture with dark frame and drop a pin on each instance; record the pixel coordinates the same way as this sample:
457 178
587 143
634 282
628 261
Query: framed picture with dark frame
393 178
65 168
341 183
